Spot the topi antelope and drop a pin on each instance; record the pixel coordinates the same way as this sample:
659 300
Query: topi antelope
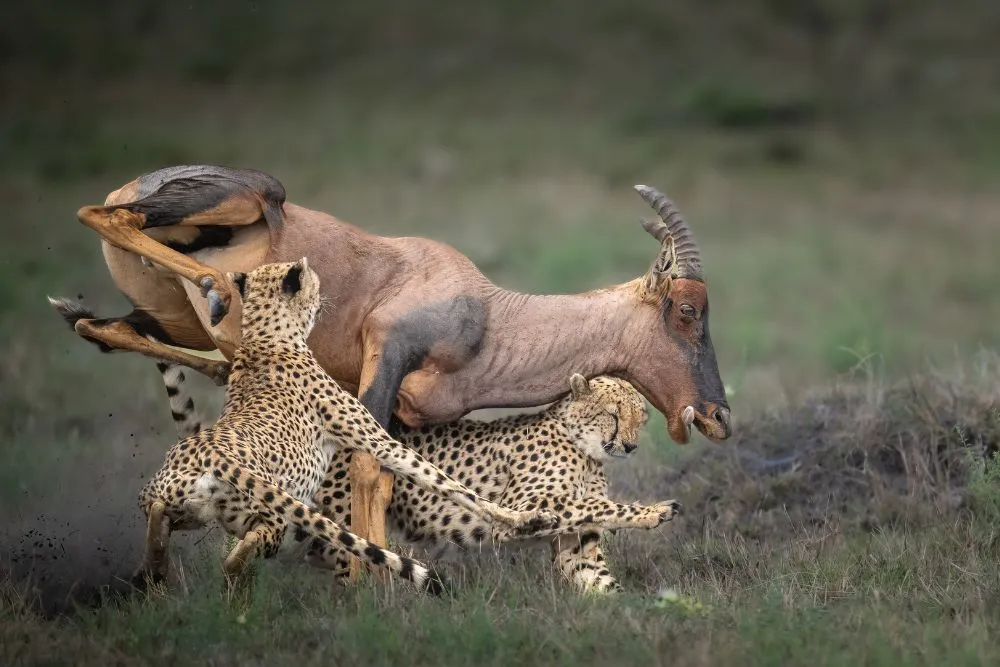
410 325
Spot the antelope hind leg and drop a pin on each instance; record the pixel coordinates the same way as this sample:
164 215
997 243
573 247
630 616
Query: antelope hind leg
116 334
122 228
119 336
194 202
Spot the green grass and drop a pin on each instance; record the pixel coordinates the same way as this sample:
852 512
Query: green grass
845 203
866 603
879 546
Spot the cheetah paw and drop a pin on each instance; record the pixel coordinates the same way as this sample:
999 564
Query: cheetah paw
538 521
668 509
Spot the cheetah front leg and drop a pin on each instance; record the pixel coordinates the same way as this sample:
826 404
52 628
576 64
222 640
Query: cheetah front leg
366 435
593 513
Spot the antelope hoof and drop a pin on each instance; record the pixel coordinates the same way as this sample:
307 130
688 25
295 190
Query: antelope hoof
220 375
218 302
216 308
206 284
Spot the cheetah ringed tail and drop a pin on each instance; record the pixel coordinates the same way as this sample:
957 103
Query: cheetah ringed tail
182 407
294 512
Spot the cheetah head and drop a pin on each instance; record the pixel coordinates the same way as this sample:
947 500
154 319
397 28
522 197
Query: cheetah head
281 300
604 416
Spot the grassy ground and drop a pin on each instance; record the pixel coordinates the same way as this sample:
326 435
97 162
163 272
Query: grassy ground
859 526
846 209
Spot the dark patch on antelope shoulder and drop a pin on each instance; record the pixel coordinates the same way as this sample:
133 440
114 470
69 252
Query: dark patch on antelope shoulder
452 330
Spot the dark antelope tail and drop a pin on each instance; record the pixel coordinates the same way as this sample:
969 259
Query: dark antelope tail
71 311
205 195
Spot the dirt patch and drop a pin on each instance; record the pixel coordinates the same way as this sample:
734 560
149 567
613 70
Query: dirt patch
78 534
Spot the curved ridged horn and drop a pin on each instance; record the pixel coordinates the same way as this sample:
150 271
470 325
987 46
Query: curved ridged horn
672 222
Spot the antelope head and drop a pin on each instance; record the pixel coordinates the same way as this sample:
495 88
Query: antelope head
673 362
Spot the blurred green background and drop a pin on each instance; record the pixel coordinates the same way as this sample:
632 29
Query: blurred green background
837 161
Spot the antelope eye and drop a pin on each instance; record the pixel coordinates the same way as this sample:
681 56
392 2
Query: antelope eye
687 310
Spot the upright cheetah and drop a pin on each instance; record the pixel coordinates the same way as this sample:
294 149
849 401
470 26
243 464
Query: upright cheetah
255 469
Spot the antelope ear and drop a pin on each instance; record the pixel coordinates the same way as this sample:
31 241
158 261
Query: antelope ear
579 386
657 281
240 280
292 282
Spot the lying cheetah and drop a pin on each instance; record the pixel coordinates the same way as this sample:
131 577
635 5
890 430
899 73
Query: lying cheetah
553 460
283 419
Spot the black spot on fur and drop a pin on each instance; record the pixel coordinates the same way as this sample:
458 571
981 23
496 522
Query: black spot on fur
292 282
376 555
240 280
435 583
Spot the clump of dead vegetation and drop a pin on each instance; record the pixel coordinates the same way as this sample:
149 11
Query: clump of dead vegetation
861 456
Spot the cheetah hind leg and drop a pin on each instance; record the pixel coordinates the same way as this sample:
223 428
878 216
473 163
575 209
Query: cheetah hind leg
153 569
240 569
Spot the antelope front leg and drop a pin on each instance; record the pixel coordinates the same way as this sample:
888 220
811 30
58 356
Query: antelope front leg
364 472
123 228
371 487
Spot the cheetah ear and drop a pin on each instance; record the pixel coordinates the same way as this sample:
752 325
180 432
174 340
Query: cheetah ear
240 280
579 386
292 281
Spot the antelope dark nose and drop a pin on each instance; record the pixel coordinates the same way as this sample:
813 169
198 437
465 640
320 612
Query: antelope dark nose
629 447
721 415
